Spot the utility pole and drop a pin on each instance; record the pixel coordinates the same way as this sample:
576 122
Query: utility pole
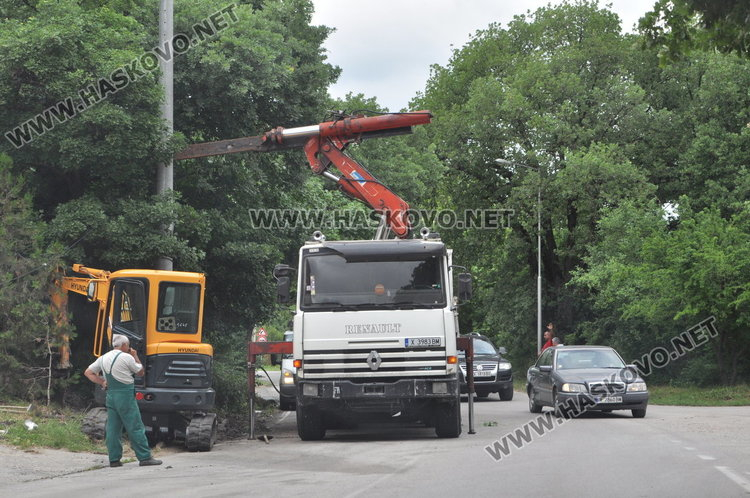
539 262
165 171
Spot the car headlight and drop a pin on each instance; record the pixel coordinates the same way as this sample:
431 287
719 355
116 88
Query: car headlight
503 365
287 377
573 388
637 387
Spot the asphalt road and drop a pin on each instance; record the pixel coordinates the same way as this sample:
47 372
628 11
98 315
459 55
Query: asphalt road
674 451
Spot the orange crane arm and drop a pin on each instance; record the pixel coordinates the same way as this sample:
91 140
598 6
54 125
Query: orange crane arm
324 146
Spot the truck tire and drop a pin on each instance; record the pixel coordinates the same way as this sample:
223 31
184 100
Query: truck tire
448 420
95 423
200 434
310 423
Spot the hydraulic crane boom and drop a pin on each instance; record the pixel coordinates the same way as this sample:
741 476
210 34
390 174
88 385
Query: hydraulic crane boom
324 146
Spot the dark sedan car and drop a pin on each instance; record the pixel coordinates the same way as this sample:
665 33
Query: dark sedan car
492 373
575 378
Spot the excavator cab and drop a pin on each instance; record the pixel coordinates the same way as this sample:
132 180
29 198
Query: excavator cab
161 313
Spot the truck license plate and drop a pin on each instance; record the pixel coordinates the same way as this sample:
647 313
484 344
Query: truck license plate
422 342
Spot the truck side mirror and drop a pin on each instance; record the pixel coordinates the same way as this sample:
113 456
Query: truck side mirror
464 286
282 290
283 282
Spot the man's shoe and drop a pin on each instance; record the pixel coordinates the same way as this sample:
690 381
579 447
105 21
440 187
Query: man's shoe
115 464
150 461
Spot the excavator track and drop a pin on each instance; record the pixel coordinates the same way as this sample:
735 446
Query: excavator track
200 434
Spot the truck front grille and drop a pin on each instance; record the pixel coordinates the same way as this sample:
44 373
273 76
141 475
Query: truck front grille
384 362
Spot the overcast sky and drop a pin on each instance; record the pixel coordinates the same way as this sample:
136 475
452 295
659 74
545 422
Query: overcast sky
385 47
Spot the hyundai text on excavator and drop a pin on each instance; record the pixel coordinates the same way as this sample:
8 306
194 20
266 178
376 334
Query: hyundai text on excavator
161 312
376 321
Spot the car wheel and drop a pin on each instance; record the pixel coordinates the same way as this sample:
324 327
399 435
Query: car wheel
560 412
533 406
506 395
639 413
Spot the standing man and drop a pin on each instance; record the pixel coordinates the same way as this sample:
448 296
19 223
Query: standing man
118 366
549 336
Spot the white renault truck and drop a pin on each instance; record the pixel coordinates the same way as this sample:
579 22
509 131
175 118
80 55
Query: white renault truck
375 333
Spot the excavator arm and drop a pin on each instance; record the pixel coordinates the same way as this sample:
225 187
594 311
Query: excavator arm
95 288
324 145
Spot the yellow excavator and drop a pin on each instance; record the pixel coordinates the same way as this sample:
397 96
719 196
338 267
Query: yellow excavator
161 312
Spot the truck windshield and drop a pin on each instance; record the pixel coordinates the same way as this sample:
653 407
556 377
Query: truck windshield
333 284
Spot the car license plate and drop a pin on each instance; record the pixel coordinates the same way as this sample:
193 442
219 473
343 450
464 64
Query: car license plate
609 399
422 342
483 373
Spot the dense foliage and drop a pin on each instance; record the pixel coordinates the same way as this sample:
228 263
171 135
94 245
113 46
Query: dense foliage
643 173
642 169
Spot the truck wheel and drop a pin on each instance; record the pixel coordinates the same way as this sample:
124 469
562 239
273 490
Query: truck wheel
310 423
200 434
506 395
95 423
448 419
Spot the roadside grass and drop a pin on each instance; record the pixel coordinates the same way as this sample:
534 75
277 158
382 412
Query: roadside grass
55 429
699 396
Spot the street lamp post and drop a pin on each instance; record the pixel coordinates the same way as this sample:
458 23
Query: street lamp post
505 162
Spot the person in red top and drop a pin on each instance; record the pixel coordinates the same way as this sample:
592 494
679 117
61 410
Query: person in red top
549 334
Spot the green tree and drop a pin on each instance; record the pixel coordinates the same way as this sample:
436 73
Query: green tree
672 276
680 27
694 136
92 176
28 338
555 91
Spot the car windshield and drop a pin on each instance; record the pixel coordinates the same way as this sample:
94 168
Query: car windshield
334 284
588 358
483 347
480 347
